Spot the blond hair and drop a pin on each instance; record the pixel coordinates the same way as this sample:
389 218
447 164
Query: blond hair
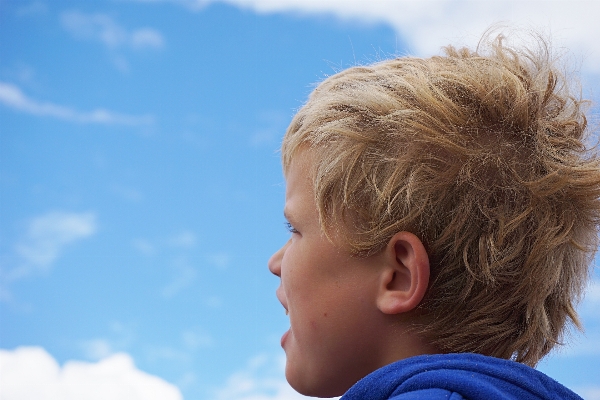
482 154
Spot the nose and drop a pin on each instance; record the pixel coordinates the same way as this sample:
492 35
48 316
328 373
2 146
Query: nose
275 260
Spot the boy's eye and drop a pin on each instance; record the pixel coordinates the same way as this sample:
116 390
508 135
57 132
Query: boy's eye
290 227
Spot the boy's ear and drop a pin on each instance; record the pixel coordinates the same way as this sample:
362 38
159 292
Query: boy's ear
405 276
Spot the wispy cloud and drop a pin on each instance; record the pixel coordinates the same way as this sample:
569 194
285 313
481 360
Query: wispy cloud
185 275
45 239
272 123
219 260
586 344
144 246
34 8
194 339
128 193
104 29
591 303
194 5
427 25
97 349
118 339
12 97
184 239
32 373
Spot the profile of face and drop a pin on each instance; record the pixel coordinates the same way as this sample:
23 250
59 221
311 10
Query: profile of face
330 296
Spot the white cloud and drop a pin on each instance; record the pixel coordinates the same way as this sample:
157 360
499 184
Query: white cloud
103 28
428 25
12 96
46 238
30 373
262 379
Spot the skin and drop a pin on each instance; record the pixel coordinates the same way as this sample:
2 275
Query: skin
348 315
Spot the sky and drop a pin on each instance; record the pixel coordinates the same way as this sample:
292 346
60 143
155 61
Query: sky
141 190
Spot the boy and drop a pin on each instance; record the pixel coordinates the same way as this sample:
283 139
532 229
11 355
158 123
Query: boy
443 215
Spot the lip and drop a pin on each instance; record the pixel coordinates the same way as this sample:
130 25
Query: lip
284 337
282 299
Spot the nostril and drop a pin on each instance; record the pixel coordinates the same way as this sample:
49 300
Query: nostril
275 264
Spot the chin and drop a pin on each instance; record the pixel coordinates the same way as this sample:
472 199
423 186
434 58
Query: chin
313 386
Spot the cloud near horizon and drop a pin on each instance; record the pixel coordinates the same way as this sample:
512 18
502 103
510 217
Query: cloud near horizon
30 373
12 96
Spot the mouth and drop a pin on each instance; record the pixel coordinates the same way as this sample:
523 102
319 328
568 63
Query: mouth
282 300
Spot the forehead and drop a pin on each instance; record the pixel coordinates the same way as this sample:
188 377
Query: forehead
298 175
299 191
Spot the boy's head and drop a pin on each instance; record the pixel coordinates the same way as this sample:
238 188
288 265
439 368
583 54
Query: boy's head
481 157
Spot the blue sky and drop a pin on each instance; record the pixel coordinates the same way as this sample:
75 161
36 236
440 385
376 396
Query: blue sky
141 189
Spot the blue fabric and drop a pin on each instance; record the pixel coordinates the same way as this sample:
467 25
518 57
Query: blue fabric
457 377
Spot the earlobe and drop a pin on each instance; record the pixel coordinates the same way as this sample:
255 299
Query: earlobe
405 276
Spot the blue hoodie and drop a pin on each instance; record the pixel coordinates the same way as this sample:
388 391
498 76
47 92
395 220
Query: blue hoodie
457 377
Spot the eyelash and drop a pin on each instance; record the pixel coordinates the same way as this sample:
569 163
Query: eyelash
290 227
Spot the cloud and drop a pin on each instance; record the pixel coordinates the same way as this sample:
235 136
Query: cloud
589 392
146 38
591 302
184 277
428 25
144 247
194 5
262 379
593 292
272 123
213 302
12 96
127 193
46 238
585 344
30 373
119 339
194 339
97 349
219 260
35 8
185 239
103 28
